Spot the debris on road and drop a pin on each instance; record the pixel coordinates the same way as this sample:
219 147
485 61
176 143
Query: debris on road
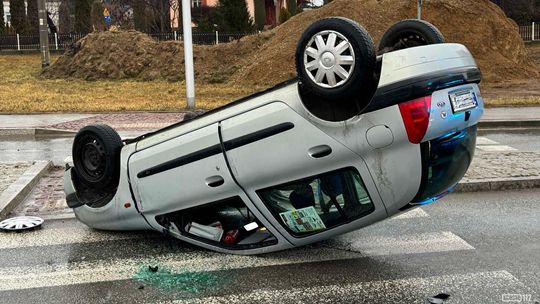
177 281
21 223
438 299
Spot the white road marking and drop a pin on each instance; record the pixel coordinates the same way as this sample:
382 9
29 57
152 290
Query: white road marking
403 244
68 160
15 278
488 145
496 148
463 288
63 236
83 234
481 140
415 213
57 216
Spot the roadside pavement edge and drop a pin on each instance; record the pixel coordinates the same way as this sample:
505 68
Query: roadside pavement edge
17 192
499 184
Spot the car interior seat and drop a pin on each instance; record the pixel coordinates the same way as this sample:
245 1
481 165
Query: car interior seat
302 197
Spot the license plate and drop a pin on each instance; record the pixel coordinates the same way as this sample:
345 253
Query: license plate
462 100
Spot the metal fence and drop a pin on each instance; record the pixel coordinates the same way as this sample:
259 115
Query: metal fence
530 32
16 42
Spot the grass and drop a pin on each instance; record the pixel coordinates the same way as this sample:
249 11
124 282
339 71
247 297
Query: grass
23 91
513 101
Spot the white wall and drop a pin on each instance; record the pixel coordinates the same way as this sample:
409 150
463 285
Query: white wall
6 10
51 6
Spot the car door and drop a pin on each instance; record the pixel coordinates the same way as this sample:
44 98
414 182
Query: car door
281 158
183 174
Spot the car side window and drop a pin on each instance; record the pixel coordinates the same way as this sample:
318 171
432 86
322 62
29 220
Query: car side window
315 204
227 223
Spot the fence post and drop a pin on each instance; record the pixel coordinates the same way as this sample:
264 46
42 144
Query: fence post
175 36
56 40
217 38
18 43
532 36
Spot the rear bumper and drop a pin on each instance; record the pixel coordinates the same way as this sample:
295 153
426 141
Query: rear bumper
445 161
72 199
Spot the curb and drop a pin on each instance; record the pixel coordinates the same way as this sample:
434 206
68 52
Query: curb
493 124
499 184
35 132
17 192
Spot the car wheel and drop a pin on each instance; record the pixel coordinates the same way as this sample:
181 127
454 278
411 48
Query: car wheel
334 58
409 33
96 156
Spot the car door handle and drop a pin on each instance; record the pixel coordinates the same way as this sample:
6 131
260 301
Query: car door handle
320 151
214 181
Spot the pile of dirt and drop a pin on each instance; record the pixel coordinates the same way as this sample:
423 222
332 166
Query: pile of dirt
134 55
534 52
268 58
479 24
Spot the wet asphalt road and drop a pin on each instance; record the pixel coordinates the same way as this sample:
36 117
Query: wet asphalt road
28 148
478 248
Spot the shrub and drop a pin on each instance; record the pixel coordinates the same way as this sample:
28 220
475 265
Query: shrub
284 15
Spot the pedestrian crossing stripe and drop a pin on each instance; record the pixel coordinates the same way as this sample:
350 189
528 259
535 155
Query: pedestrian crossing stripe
496 148
465 288
414 213
487 145
66 235
82 234
481 140
16 278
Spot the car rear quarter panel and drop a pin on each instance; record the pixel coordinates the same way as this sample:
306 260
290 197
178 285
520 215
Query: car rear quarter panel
115 215
396 168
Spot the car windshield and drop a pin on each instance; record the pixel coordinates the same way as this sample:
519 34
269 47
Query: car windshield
318 203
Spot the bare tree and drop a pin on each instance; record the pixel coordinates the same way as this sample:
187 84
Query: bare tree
65 23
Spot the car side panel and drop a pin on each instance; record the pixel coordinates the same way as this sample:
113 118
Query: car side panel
187 186
183 186
396 167
284 158
114 215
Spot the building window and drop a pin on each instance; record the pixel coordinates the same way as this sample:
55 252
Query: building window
196 3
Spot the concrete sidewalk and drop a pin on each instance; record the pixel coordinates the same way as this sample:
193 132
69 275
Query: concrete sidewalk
132 121
511 114
148 121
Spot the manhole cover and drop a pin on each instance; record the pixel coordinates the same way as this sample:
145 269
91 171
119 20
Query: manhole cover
20 223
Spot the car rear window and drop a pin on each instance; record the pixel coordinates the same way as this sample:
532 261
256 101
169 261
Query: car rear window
318 203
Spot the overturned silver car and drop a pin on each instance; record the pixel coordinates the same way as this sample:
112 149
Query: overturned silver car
356 138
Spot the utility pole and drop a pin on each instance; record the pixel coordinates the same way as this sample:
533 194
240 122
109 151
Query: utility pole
188 53
43 33
419 9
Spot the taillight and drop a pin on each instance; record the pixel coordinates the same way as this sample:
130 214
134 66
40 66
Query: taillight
415 114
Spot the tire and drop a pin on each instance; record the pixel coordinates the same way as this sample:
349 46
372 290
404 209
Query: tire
96 156
316 60
409 33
